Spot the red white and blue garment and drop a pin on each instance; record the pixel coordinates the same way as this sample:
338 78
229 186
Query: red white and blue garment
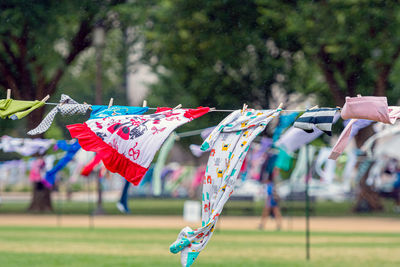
128 143
229 143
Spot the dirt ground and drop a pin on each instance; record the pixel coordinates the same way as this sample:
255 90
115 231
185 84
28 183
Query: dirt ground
325 224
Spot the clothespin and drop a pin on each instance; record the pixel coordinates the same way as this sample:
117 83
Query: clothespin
358 95
111 102
90 108
8 93
280 106
314 107
45 98
144 103
212 109
178 106
244 108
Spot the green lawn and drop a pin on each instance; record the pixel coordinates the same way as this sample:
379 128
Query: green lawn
38 246
154 206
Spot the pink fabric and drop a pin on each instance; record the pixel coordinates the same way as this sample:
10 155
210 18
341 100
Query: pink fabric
367 107
37 168
198 177
373 108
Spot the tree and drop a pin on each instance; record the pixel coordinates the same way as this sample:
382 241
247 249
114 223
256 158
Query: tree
39 40
353 45
210 53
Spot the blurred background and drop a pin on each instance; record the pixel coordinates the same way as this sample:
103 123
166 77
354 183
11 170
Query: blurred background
221 54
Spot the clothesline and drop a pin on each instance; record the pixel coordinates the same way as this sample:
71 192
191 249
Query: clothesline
214 110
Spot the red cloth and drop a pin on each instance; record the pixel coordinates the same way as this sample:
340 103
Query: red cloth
87 170
114 161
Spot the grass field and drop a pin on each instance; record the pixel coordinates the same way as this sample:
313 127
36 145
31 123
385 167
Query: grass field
39 246
157 206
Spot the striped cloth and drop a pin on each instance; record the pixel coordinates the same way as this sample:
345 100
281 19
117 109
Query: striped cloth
322 118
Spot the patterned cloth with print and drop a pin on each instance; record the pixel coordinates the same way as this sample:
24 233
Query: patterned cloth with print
129 143
67 106
229 143
100 112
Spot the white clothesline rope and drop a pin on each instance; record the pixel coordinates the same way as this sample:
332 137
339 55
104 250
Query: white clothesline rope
213 110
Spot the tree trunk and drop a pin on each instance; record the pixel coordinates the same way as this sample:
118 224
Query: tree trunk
41 200
367 199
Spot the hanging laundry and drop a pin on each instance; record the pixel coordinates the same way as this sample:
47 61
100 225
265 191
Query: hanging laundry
284 160
256 157
322 118
285 121
373 108
130 142
162 158
229 143
88 168
196 149
17 109
71 150
37 170
326 173
101 112
25 146
299 172
67 106
388 132
357 126
294 138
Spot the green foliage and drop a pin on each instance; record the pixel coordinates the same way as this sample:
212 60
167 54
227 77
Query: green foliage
353 45
209 53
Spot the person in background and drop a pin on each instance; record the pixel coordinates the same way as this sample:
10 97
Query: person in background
122 204
271 204
396 193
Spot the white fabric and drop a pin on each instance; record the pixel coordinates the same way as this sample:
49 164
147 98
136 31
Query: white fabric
229 143
25 146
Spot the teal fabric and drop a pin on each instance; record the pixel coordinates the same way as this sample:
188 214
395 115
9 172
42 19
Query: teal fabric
99 112
284 160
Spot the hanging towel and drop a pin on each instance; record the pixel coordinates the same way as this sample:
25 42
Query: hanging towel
229 143
322 118
67 106
129 142
71 150
372 108
17 109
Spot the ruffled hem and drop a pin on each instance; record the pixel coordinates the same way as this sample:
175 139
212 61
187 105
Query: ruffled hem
112 159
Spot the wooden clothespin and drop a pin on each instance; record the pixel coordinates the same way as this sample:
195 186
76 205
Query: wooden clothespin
8 93
111 102
244 108
178 106
90 108
314 107
280 106
144 103
45 98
